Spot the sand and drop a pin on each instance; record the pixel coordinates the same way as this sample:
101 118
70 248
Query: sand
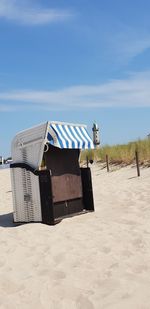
96 260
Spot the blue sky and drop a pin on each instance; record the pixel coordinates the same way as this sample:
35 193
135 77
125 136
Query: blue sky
75 61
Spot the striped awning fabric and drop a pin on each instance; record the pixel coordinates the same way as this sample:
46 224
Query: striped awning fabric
70 136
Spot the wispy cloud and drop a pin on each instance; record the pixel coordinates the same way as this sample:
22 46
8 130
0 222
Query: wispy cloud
131 92
15 10
8 107
127 45
121 41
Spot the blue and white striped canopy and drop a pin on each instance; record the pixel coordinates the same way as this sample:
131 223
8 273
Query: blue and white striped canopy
70 136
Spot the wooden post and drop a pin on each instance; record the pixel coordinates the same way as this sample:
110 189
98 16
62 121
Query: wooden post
107 163
137 163
87 161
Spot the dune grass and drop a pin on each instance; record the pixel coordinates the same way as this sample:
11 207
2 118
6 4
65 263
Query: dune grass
119 154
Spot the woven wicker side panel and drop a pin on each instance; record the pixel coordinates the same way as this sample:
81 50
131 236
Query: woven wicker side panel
26 196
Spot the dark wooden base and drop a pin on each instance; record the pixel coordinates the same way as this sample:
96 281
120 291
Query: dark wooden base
66 208
52 212
83 212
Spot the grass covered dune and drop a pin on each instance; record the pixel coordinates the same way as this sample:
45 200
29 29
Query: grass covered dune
119 154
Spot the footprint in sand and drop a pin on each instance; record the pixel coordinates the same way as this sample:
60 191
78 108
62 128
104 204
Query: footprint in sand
106 250
10 287
54 275
2 263
127 253
138 243
59 258
84 302
126 295
114 265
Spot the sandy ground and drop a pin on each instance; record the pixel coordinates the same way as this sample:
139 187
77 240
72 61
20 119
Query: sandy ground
97 260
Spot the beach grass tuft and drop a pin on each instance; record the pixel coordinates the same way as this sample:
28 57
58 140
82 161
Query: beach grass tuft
119 154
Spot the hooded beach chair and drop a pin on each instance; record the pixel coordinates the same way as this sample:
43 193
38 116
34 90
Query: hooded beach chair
47 181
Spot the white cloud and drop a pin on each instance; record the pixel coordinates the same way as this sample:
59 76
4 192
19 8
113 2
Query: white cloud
133 91
12 106
122 41
128 45
18 11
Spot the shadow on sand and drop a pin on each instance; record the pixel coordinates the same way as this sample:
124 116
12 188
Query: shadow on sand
7 221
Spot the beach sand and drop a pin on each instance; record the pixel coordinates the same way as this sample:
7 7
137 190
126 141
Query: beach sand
96 260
